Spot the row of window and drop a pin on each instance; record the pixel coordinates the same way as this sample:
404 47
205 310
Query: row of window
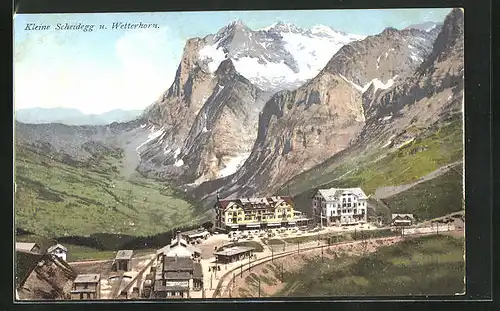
235 220
344 211
354 204
89 296
175 294
255 213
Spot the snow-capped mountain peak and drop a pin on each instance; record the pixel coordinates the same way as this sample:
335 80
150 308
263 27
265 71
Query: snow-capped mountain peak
427 26
280 56
325 30
283 27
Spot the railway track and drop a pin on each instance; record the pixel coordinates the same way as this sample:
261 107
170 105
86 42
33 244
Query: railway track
220 286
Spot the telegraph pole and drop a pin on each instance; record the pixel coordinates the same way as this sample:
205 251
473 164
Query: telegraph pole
321 217
298 247
282 273
322 258
241 270
259 286
249 257
211 281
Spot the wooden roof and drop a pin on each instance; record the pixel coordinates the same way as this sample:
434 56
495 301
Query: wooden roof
57 246
124 254
87 278
234 251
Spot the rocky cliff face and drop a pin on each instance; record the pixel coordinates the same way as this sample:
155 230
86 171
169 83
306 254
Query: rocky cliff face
300 129
433 93
220 136
205 125
380 60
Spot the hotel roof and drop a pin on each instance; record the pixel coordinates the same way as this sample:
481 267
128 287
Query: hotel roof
335 193
248 203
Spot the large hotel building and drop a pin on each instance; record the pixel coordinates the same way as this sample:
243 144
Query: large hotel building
257 213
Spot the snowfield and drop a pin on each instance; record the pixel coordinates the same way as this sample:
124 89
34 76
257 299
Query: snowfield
151 136
234 164
376 83
311 49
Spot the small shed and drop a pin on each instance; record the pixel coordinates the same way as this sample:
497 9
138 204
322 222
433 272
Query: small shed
86 286
402 219
28 247
233 254
122 260
58 250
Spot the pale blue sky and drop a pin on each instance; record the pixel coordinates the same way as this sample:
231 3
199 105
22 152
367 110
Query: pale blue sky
103 70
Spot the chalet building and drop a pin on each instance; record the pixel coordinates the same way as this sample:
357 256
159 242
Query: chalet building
402 219
339 206
86 286
179 247
122 260
59 251
256 213
233 254
176 277
28 247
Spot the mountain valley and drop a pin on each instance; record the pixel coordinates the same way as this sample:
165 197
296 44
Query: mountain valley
280 110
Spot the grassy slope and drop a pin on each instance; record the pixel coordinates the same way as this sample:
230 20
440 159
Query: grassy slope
432 265
433 198
56 199
407 164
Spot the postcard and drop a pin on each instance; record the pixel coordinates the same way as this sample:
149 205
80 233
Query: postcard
239 154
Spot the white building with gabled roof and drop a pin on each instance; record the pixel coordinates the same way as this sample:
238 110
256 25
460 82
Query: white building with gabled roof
339 206
58 250
179 247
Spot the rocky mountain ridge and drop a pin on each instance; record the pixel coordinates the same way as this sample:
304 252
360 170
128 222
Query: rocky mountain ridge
302 128
222 129
69 116
205 124
420 117
216 129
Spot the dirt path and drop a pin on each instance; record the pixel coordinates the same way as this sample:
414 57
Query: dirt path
104 260
386 192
